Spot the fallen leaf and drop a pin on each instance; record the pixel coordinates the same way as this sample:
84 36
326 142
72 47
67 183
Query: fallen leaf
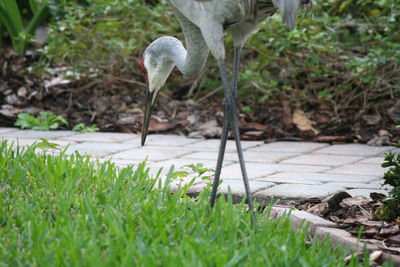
394 112
372 119
358 219
374 256
321 118
210 129
56 81
379 141
334 138
303 123
155 126
353 255
287 119
319 208
252 135
394 239
393 229
355 201
254 126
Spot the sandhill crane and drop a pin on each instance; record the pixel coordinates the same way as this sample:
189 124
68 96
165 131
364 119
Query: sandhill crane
203 23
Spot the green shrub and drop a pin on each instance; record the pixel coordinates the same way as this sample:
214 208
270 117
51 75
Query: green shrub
46 121
342 56
81 127
391 207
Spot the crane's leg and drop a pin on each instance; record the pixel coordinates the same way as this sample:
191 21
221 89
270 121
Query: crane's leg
225 129
221 154
233 120
236 65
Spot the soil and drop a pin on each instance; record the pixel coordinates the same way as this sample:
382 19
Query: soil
116 104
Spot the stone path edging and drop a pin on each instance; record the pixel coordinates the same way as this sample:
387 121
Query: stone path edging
321 228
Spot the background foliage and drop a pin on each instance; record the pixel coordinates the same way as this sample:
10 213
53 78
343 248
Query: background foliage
344 52
342 57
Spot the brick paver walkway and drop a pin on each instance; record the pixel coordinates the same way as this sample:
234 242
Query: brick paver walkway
282 170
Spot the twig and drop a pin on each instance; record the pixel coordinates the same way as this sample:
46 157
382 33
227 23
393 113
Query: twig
213 92
126 80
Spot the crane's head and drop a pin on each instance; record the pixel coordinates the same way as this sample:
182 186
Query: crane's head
156 69
288 9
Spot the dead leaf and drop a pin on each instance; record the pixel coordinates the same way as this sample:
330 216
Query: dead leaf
358 219
210 129
379 141
287 119
56 81
334 138
372 119
252 135
321 118
155 126
254 126
394 240
383 133
394 112
393 229
303 123
374 256
319 208
355 201
353 255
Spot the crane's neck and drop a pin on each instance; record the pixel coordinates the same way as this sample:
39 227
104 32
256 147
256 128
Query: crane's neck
170 49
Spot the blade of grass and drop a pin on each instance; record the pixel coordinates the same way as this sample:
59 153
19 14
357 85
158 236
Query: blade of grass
2 29
11 18
40 16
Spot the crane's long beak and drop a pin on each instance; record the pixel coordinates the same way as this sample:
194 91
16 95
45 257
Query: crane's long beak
147 114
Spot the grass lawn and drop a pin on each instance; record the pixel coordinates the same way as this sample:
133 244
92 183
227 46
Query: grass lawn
68 211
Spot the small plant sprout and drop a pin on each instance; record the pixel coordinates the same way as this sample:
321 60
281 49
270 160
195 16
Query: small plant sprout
81 127
45 122
45 144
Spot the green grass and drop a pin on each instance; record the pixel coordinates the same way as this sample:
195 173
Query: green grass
71 211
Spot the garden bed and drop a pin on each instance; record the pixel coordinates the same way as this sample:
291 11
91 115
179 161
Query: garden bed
115 105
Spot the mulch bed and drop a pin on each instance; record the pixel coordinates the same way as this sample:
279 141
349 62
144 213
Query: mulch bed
116 104
356 216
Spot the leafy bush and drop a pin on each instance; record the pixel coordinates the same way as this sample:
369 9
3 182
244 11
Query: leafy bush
391 208
46 121
107 35
346 55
